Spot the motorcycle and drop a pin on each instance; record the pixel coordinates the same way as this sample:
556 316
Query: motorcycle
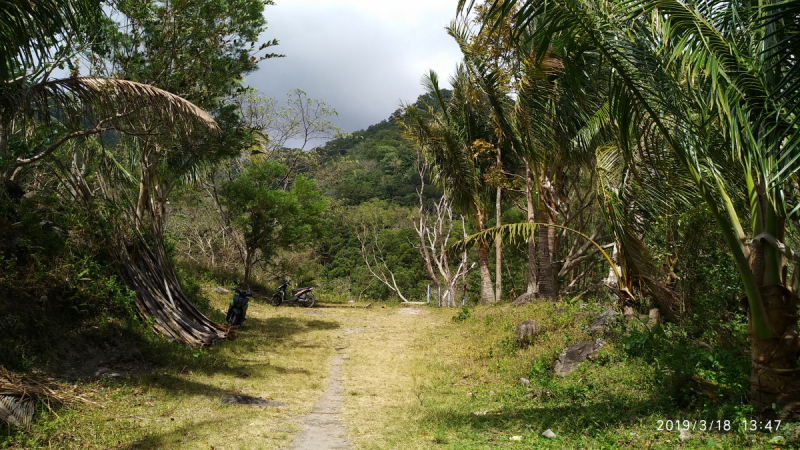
300 296
238 308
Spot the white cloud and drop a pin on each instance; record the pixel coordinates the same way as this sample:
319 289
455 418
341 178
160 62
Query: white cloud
361 56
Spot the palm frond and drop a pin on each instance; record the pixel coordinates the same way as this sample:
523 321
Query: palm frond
29 29
77 100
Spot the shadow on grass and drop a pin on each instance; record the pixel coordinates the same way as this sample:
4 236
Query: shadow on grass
173 437
263 335
570 419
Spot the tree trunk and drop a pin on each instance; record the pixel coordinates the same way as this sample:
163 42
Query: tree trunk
248 266
487 294
775 376
547 238
498 246
159 295
532 283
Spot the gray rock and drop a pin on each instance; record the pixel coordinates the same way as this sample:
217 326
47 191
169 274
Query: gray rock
524 380
574 355
53 228
548 433
106 372
247 400
685 436
220 290
523 299
526 330
602 321
654 318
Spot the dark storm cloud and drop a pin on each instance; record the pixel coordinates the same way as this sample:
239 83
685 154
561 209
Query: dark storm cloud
362 57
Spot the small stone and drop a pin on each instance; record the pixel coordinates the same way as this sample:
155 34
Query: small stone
480 413
491 394
548 433
524 380
685 436
220 290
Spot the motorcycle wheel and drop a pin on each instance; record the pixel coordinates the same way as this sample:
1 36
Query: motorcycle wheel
234 320
277 299
309 301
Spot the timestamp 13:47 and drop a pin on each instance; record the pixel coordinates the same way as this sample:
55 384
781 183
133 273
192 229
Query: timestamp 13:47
762 425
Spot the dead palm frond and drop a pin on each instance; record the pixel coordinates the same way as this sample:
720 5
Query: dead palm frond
89 106
77 100
18 393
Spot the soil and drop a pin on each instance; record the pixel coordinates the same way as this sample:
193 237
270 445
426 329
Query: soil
322 428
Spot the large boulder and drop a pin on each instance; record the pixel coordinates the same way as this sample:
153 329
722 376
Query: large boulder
574 355
602 321
523 299
525 332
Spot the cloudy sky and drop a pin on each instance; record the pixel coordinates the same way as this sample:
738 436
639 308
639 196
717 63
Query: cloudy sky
363 57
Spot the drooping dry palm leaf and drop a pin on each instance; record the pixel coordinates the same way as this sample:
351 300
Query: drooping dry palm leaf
17 411
79 100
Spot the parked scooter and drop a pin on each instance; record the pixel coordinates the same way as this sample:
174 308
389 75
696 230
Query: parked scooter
238 307
300 296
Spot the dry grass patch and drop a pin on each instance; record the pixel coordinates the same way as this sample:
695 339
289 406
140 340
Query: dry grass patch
281 354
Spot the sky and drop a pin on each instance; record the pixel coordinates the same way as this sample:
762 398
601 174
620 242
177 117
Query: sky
362 57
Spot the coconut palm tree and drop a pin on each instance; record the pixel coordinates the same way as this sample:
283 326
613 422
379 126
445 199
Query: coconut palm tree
39 116
455 137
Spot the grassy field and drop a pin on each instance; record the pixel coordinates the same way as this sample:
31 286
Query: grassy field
413 378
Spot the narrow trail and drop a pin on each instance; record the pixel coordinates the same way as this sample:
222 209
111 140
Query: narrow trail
322 428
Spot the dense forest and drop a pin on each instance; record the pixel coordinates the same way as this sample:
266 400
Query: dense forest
641 154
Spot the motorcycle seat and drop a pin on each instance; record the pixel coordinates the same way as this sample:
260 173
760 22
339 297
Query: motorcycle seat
295 291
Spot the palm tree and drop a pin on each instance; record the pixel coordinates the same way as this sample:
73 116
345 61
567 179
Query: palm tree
453 138
43 116
694 74
540 126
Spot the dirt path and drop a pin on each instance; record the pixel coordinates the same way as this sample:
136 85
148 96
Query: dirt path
322 428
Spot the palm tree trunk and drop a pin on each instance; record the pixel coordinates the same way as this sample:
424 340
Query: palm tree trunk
158 294
487 293
547 238
532 283
498 246
775 376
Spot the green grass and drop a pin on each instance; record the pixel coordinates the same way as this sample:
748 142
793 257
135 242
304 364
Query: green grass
457 369
411 381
